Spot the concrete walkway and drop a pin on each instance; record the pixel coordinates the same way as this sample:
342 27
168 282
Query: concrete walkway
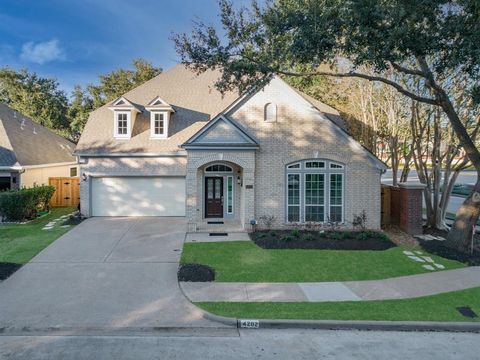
395 288
106 273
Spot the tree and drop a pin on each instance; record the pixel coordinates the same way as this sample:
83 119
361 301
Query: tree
423 41
120 81
111 86
36 97
79 110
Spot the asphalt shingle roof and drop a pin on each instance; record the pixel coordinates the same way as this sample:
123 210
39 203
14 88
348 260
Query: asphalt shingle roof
25 142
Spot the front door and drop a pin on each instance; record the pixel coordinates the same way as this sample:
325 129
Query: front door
213 197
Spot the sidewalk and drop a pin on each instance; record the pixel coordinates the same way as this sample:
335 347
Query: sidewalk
394 288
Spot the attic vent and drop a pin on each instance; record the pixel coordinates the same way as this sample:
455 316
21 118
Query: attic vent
121 102
158 102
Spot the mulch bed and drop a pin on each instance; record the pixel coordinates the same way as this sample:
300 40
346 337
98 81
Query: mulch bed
7 269
440 248
196 273
327 240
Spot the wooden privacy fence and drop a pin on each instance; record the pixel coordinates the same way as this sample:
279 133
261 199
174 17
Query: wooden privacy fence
386 205
67 191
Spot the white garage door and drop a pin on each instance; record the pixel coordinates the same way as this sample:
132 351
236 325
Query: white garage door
138 196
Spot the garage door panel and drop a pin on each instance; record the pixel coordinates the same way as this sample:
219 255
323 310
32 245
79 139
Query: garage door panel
138 196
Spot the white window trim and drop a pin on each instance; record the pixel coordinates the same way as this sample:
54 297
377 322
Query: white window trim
300 194
324 204
233 195
327 171
129 125
166 120
343 194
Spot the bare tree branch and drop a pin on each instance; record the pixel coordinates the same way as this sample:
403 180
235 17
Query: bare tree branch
398 87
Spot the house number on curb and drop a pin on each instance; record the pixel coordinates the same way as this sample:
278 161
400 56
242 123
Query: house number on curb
250 324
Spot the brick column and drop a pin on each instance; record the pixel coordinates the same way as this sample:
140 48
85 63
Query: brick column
248 198
410 213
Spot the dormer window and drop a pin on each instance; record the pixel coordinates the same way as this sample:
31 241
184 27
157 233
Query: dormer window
160 112
124 114
122 124
159 124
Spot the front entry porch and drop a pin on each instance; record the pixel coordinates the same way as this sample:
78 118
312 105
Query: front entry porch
220 191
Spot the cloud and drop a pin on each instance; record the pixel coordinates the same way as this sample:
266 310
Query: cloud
42 52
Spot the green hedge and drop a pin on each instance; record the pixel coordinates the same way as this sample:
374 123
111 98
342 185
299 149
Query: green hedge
23 204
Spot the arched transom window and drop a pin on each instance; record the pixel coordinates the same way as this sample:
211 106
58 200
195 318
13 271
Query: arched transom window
315 191
218 168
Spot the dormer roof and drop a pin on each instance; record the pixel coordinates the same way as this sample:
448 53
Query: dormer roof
122 103
158 104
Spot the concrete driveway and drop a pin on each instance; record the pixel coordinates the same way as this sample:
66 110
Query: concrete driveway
106 273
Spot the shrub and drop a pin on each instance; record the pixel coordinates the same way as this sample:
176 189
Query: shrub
273 233
261 235
296 233
336 235
364 235
322 234
267 220
308 237
17 205
287 238
360 221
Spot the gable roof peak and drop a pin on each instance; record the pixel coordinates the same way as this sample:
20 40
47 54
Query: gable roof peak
123 103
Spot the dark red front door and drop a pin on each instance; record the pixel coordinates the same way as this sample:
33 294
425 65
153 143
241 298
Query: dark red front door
213 197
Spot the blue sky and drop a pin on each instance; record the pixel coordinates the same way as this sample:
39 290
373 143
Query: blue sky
76 40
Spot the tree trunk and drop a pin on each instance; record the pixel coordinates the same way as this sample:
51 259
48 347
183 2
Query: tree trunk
467 215
460 236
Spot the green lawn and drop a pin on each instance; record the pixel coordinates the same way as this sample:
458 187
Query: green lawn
429 308
20 243
244 261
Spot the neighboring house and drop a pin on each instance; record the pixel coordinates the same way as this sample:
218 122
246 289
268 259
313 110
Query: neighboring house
175 146
30 153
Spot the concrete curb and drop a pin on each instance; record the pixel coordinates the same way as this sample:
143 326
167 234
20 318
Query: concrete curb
209 316
368 325
472 327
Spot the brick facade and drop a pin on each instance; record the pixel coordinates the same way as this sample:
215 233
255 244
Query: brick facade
300 132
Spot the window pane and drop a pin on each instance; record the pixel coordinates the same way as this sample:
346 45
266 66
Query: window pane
122 124
335 166
73 172
336 197
294 166
314 189
159 124
210 189
336 213
336 189
293 197
293 213
315 164
218 188
314 213
293 189
230 195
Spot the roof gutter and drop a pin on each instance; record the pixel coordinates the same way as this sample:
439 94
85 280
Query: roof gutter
11 168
